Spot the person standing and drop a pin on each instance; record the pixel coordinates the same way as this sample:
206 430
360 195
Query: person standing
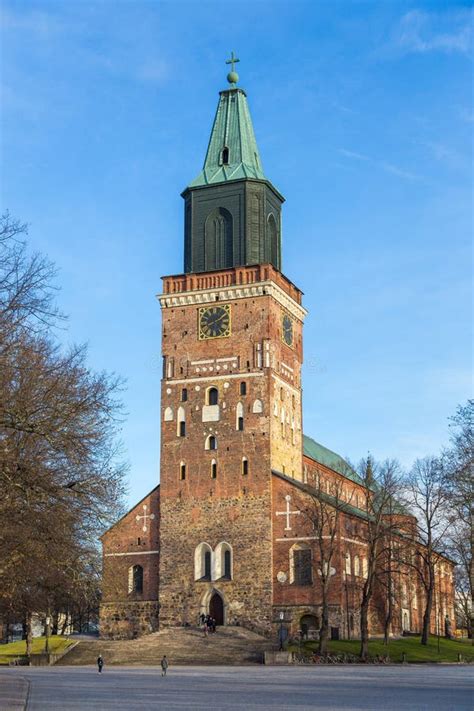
164 666
100 663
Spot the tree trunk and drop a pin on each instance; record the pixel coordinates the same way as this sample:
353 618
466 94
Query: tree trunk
55 625
389 612
47 630
324 631
29 634
364 629
65 623
388 620
427 614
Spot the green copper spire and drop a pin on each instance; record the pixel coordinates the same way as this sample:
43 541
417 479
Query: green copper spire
232 153
232 213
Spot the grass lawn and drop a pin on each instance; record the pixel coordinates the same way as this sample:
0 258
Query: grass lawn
414 650
8 652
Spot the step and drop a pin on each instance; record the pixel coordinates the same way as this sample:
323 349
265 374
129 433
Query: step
229 645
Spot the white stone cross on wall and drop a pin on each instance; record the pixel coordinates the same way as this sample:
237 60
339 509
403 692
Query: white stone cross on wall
145 516
287 513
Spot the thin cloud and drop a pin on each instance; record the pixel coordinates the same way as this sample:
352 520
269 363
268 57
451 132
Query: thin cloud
155 70
35 22
353 154
420 32
382 165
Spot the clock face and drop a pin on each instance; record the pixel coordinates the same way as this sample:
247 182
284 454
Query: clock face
214 322
287 330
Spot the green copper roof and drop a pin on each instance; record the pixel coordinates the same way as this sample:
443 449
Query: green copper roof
330 459
232 153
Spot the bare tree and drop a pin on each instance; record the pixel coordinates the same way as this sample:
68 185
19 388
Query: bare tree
322 509
460 551
61 474
427 491
459 463
381 483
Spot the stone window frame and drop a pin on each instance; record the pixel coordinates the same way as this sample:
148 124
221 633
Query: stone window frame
218 568
210 391
135 579
299 547
211 439
348 563
200 561
239 417
181 422
356 565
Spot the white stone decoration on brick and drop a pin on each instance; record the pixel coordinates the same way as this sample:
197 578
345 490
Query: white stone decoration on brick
287 513
145 516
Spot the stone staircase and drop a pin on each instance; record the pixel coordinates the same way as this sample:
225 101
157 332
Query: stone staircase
228 646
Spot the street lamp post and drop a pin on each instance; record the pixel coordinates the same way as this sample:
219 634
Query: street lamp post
282 617
282 578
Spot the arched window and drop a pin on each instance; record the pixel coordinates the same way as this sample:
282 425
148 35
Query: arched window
211 442
184 395
365 568
213 469
243 388
182 471
239 415
348 564
218 240
223 561
212 396
168 415
356 565
245 466
203 562
181 422
225 156
257 407
272 241
301 564
135 579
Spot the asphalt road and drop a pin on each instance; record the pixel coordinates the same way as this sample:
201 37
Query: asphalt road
413 688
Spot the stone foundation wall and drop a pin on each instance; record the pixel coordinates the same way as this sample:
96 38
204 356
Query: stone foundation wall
243 522
128 620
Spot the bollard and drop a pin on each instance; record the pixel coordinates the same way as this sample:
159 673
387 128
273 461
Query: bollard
404 658
459 658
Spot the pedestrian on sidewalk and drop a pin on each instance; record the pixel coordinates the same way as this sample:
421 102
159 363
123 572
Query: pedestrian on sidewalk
164 666
100 663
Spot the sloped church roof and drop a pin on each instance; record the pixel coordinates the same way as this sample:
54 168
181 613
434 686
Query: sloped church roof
330 459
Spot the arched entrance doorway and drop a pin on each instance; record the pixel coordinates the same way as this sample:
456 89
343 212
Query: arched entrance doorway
309 626
216 608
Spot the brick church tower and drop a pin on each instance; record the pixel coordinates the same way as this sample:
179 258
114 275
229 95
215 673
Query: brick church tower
232 354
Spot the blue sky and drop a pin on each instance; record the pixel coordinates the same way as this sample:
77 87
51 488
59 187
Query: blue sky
363 115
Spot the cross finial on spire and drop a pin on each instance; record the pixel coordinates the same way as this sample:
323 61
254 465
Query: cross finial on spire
233 60
232 76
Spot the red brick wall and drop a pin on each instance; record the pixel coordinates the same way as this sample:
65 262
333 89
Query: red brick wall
125 545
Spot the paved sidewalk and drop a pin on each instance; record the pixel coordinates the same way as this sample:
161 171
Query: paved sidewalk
414 688
13 692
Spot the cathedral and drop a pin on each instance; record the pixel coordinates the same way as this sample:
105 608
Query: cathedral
226 531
